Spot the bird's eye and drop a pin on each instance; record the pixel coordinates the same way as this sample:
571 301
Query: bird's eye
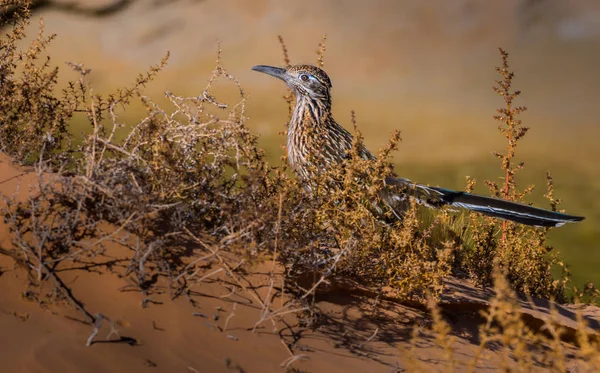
304 77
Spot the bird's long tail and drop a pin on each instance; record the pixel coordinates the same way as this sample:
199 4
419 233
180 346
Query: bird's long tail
517 212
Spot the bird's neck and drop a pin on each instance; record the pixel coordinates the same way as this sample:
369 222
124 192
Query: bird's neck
308 124
310 112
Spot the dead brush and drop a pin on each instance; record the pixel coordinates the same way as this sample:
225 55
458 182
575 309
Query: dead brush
32 114
521 252
507 342
184 181
51 234
513 259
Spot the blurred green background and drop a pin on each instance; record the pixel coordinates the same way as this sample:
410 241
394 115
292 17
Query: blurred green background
424 67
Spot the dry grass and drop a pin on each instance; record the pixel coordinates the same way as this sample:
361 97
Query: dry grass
192 196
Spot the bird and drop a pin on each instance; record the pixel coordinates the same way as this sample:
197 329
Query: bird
315 141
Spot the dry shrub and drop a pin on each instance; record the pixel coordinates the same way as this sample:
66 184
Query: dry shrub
520 251
507 342
54 230
34 117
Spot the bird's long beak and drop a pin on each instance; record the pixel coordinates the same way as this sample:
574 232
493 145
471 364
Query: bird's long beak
277 72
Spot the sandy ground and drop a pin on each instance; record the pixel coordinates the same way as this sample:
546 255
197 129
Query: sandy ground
212 329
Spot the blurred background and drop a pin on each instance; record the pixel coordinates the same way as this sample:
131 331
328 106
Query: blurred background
424 67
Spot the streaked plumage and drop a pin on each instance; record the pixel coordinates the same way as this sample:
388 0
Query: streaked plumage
315 140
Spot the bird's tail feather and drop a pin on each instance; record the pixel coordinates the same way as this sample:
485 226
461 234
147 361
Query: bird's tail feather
503 209
517 212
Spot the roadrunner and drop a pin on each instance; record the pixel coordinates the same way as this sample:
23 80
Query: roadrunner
316 141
